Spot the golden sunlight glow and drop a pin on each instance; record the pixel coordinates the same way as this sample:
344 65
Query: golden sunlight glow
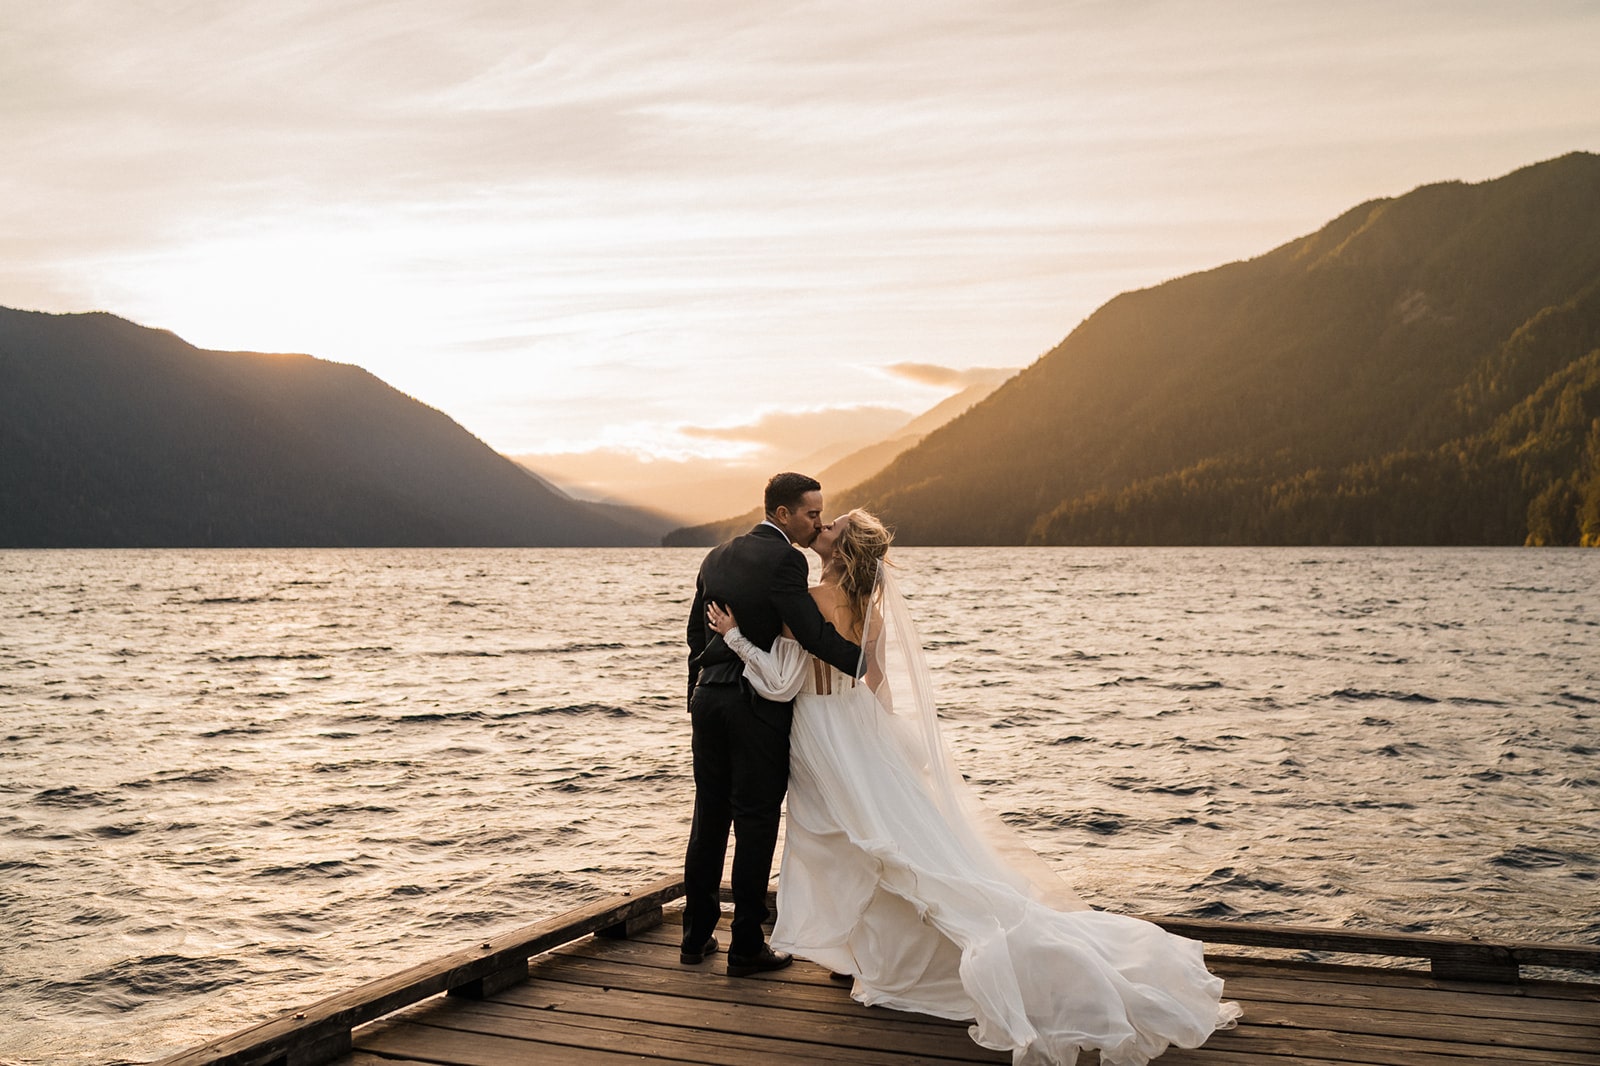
594 229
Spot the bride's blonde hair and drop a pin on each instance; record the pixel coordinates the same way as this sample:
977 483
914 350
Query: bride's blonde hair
862 545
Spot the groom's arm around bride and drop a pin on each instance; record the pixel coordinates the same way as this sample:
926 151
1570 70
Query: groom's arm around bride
762 579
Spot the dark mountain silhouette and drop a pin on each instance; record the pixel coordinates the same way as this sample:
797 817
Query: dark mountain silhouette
115 435
1422 370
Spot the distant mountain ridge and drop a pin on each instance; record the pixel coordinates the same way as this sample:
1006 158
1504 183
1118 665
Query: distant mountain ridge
1422 370
861 464
697 490
843 472
116 435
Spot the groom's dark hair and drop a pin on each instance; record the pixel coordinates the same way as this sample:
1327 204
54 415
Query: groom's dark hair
786 490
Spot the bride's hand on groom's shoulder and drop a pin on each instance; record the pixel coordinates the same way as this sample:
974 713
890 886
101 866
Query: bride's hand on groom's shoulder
719 618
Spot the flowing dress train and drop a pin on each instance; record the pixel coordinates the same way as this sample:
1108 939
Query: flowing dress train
895 873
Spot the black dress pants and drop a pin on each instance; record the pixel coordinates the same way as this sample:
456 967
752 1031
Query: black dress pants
741 771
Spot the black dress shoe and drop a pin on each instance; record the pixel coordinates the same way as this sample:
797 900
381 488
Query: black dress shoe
695 958
835 975
745 965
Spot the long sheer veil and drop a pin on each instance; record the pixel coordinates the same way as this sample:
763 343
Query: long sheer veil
898 674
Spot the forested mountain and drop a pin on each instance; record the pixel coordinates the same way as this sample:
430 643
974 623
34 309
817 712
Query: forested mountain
114 435
1422 370
863 463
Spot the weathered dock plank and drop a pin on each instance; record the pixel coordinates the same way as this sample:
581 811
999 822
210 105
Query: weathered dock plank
678 1036
363 1058
621 996
715 992
1380 989
554 993
321 1032
434 1044
1458 958
1347 1048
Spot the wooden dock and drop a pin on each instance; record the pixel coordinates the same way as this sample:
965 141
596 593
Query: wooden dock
553 993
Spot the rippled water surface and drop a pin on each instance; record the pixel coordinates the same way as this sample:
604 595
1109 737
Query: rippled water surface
233 782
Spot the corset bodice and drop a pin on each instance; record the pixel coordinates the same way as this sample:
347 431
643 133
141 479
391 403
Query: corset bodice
823 680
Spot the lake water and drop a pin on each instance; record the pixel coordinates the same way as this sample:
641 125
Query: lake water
233 782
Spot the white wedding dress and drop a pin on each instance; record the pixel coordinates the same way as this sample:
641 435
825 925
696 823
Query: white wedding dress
893 871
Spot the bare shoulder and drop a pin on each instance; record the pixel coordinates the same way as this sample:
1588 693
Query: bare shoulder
835 608
827 597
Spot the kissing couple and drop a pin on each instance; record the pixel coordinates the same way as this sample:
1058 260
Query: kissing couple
894 874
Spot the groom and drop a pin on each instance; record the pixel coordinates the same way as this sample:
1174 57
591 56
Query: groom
741 741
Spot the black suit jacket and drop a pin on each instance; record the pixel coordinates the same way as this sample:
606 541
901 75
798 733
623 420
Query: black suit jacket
761 578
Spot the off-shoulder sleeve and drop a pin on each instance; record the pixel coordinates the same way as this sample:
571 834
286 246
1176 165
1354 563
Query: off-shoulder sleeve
776 674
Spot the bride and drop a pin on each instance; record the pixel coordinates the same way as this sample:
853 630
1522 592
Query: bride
895 874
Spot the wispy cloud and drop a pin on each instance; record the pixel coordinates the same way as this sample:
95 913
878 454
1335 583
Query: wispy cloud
802 432
948 377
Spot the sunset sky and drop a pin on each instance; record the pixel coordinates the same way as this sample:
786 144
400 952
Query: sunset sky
671 227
